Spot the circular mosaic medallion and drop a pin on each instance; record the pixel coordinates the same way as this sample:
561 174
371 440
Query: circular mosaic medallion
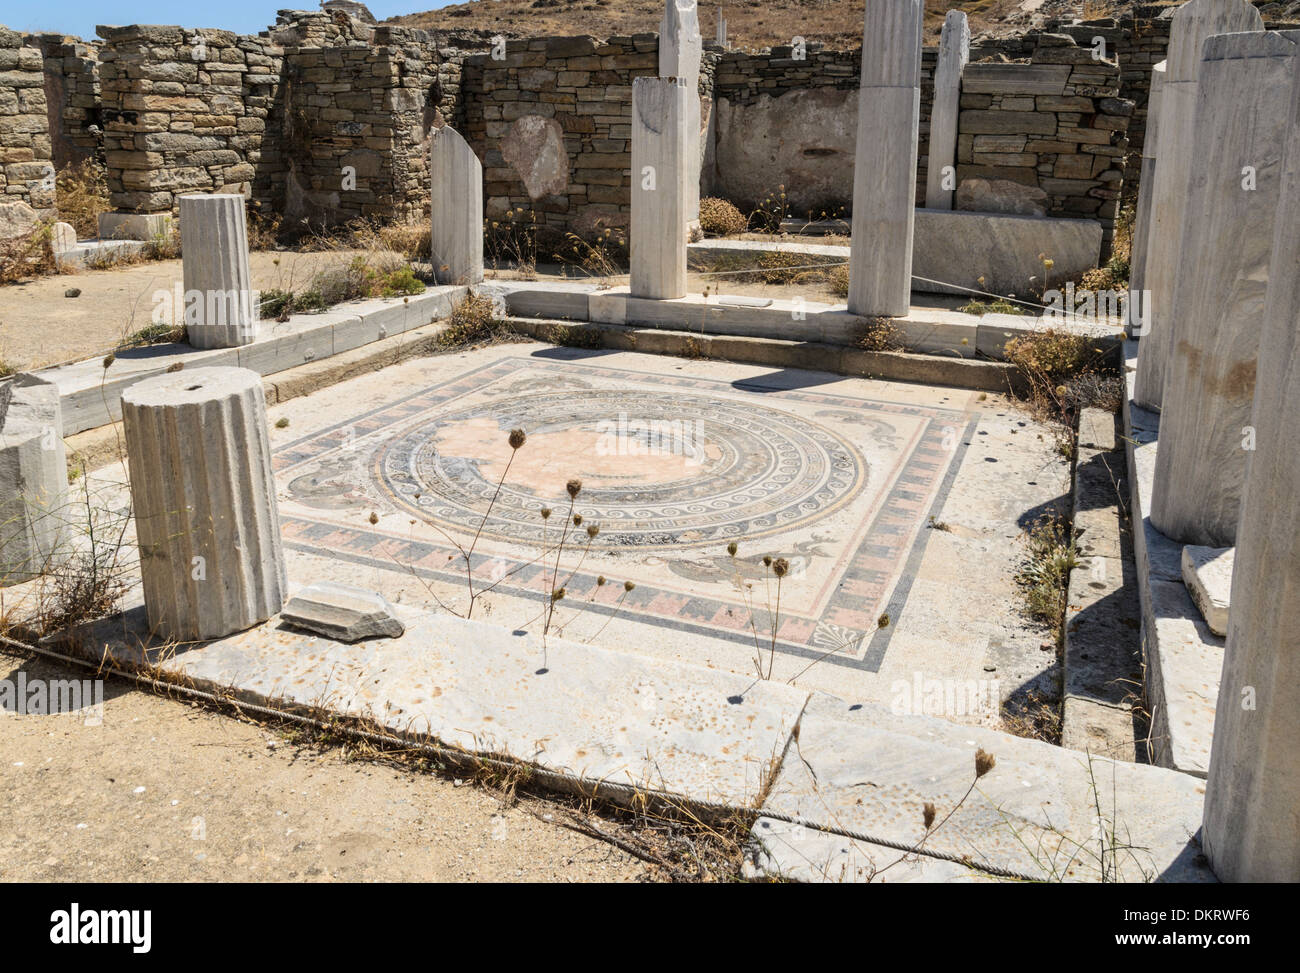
657 468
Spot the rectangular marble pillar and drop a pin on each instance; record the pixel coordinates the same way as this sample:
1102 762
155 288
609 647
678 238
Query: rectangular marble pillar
1244 91
1251 827
456 209
680 51
884 167
954 52
1190 26
660 167
1146 183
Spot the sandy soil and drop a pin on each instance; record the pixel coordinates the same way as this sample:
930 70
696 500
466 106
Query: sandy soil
40 326
166 791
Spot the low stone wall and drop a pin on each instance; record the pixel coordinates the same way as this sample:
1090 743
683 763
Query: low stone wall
26 170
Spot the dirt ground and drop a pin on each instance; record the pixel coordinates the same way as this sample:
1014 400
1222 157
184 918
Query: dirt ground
40 326
166 791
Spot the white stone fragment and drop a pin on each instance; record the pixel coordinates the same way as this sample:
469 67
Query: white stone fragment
219 309
456 186
203 491
884 166
954 52
660 150
1207 572
343 612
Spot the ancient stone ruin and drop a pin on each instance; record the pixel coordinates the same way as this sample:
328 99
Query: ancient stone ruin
689 423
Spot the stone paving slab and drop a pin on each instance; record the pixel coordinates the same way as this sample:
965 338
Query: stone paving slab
1102 662
584 711
1184 658
863 769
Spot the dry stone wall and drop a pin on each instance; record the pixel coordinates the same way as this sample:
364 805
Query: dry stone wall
185 111
26 153
1046 138
72 98
356 126
552 123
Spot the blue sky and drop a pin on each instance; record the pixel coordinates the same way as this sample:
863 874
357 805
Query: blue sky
244 16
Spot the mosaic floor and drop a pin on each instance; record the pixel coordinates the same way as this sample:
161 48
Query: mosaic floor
384 476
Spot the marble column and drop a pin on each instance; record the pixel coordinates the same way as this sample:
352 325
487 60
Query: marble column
660 165
1244 88
203 493
1190 26
218 300
884 167
954 52
1251 827
456 209
680 51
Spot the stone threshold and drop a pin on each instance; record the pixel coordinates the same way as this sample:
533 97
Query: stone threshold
925 330
629 727
887 366
1184 659
91 394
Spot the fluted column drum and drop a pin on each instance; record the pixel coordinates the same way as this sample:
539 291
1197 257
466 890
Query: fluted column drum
218 307
203 490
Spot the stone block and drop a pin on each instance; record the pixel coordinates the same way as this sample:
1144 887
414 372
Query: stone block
1207 572
342 612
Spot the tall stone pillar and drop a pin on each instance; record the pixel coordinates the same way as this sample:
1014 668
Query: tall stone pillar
660 147
219 311
1190 26
1146 183
1244 91
884 167
954 52
33 480
203 492
456 209
1252 797
680 51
